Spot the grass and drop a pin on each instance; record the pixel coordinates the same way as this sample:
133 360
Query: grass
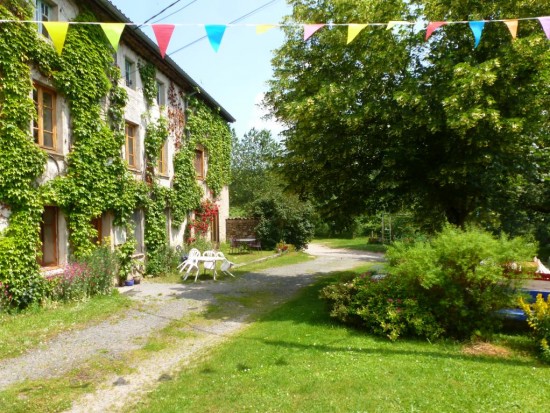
358 243
56 395
20 332
297 359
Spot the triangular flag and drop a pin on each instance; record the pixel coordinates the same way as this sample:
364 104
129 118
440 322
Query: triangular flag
163 34
215 34
545 23
394 23
113 31
354 30
262 28
309 29
58 33
513 27
477 30
432 26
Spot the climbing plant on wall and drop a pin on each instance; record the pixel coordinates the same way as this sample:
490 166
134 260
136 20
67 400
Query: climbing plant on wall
206 127
21 161
97 179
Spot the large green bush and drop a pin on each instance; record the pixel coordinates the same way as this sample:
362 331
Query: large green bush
451 286
283 219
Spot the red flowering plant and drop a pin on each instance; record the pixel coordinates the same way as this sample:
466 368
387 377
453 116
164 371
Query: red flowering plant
199 226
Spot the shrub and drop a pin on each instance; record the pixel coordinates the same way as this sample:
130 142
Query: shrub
92 276
382 306
164 262
283 219
450 286
538 318
103 267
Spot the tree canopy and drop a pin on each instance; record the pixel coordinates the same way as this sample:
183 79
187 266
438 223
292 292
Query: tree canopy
252 164
441 127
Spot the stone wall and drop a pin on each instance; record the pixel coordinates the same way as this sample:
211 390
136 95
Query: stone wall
240 227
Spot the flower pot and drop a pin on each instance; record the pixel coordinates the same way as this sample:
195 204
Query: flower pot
137 280
129 283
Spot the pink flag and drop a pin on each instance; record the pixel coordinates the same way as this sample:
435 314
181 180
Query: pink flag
163 33
545 23
433 26
309 29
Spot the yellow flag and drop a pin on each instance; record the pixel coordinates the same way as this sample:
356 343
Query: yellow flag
513 27
58 33
262 28
113 31
354 30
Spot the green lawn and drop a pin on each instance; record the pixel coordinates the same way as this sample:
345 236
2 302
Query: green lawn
358 243
296 359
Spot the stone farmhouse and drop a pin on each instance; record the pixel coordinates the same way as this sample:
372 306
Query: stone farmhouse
128 159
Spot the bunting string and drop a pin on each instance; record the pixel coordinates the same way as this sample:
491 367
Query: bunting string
215 32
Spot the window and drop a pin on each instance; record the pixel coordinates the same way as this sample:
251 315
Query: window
44 124
215 229
129 73
137 219
199 163
97 223
131 145
45 12
162 166
48 237
161 94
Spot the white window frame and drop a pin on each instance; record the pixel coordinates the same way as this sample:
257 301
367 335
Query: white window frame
40 16
130 73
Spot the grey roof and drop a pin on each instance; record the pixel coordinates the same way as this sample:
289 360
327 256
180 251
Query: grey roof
116 15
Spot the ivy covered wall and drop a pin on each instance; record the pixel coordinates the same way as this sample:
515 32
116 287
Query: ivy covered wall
97 179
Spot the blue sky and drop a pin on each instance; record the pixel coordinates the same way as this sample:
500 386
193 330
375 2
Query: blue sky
236 75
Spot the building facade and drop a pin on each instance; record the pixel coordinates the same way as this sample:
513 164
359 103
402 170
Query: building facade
150 109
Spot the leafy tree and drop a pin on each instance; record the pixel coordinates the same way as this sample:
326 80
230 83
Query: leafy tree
446 129
252 167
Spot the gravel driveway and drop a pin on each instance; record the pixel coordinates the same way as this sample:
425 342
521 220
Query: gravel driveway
161 304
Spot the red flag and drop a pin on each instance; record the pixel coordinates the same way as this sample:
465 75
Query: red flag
163 33
433 26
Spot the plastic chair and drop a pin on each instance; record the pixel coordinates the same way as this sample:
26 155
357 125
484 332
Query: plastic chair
210 265
190 263
226 265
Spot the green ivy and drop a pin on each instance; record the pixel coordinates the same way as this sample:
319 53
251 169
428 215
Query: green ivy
148 74
21 161
97 179
207 128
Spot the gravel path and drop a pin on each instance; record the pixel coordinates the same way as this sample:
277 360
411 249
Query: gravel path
161 304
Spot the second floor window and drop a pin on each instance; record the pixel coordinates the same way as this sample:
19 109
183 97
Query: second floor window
131 145
129 73
44 13
199 163
161 94
162 166
44 123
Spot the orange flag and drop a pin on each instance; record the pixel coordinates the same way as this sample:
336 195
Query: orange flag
58 33
513 27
